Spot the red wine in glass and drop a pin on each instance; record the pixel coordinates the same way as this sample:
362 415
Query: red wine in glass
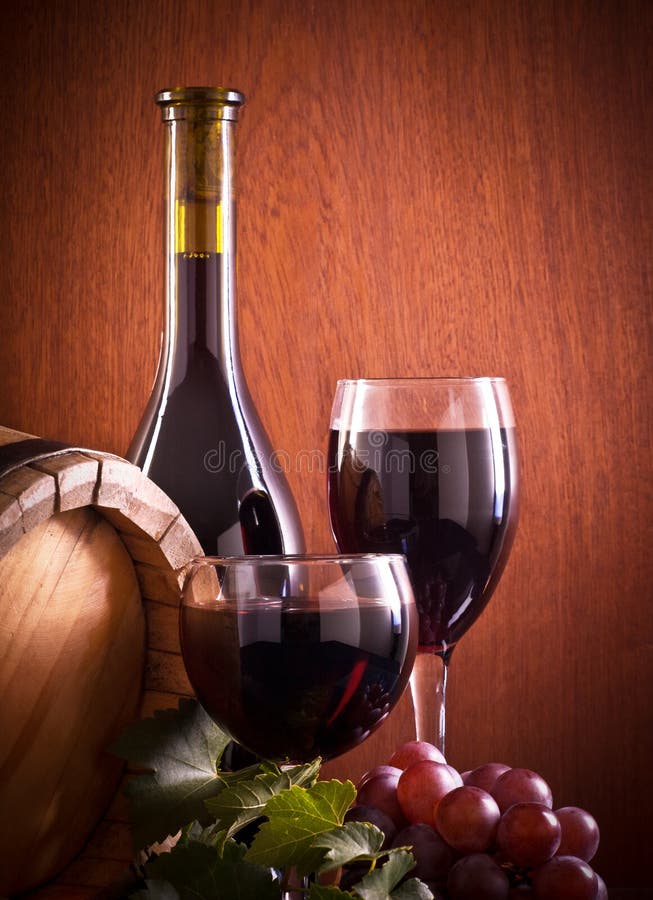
299 657
428 468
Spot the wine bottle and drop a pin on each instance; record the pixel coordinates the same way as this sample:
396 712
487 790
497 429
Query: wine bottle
200 438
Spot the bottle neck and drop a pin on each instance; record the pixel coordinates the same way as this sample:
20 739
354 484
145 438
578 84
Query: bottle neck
200 218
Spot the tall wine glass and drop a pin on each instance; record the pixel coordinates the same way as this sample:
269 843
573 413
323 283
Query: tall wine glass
427 467
298 656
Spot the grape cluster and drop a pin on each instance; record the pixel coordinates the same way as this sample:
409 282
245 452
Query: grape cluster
487 834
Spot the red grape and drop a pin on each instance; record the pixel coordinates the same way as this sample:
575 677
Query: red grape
580 833
421 785
412 751
433 857
477 877
528 834
383 822
489 834
378 770
467 818
565 878
351 874
521 786
485 776
381 792
455 774
602 891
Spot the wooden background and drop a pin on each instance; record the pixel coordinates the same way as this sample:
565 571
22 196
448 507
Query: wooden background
435 187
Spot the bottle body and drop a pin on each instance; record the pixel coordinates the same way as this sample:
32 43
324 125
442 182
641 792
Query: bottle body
201 439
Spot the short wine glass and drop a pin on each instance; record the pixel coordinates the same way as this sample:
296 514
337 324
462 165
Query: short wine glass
427 467
297 657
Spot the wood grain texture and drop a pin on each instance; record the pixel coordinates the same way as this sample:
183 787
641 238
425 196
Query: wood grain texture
425 187
78 656
71 646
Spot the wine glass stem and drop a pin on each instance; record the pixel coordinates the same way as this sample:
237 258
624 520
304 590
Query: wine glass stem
428 684
300 889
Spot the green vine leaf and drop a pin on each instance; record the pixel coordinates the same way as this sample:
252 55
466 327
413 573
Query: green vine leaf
198 872
384 882
295 818
181 748
244 800
156 890
323 892
353 841
301 820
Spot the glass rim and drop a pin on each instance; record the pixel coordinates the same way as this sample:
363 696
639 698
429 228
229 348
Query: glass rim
297 558
421 379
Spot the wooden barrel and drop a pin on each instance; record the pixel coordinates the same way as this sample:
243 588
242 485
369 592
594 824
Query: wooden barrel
91 559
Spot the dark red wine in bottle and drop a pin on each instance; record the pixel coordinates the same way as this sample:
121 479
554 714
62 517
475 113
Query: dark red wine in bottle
200 438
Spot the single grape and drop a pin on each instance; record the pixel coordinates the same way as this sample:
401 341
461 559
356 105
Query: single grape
521 786
580 833
565 878
421 785
455 774
601 891
433 857
485 776
351 874
477 877
359 813
378 770
467 818
381 792
528 834
412 751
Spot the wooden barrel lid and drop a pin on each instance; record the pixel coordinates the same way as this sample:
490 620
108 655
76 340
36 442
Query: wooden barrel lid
91 559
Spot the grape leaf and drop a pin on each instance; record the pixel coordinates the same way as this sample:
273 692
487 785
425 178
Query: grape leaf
156 890
184 790
243 800
351 841
198 872
413 889
295 818
211 835
181 748
381 883
324 892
